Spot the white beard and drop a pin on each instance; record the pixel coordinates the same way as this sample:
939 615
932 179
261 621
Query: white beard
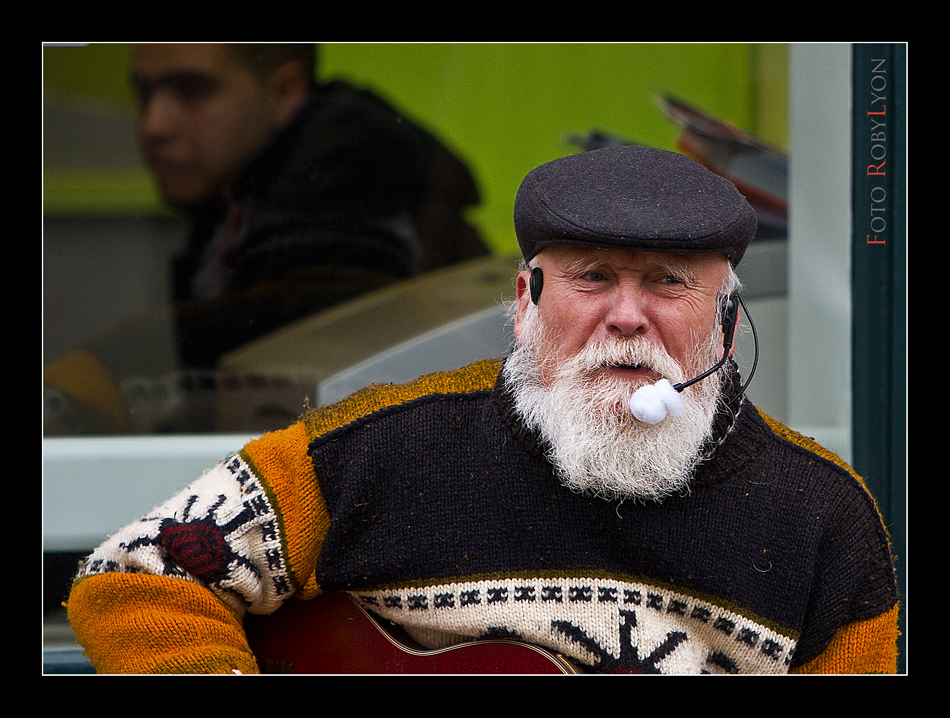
596 444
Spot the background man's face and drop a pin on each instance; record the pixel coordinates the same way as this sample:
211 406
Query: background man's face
203 117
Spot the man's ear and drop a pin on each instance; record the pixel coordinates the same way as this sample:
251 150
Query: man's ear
289 87
522 297
728 321
732 348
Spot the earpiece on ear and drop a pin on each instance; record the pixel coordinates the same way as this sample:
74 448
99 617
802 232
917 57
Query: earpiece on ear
729 320
537 282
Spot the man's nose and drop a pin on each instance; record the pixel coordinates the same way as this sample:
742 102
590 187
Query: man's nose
627 312
157 117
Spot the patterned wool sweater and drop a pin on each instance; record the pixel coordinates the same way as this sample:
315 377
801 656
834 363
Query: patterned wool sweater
433 506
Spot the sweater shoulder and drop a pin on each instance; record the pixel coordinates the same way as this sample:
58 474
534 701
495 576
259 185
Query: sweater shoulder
807 445
479 376
809 449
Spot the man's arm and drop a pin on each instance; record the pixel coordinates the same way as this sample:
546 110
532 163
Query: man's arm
168 592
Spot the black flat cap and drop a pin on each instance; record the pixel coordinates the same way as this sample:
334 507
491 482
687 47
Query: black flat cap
632 198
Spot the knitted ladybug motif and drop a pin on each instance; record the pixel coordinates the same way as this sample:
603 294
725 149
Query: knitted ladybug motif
198 547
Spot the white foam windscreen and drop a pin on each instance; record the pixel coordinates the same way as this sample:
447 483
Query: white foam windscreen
653 402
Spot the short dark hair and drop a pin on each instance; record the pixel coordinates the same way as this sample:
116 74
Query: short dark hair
264 58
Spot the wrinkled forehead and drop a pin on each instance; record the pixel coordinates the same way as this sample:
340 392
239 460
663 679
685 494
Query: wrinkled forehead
575 258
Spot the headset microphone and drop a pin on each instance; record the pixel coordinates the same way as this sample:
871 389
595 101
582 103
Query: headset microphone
652 403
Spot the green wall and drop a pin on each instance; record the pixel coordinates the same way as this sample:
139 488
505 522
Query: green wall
504 108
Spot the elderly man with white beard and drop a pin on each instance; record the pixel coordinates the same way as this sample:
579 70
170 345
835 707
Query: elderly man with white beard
527 498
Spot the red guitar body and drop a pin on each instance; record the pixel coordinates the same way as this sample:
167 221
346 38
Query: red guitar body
333 634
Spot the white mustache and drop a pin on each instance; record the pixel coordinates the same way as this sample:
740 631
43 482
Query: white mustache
630 352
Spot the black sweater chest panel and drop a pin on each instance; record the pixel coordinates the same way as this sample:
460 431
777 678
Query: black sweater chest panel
439 489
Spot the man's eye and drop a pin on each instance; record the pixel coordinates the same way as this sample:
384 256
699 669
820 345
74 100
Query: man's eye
143 91
191 89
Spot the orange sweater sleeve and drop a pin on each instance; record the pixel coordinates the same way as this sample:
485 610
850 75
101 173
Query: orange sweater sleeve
282 458
862 647
134 623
